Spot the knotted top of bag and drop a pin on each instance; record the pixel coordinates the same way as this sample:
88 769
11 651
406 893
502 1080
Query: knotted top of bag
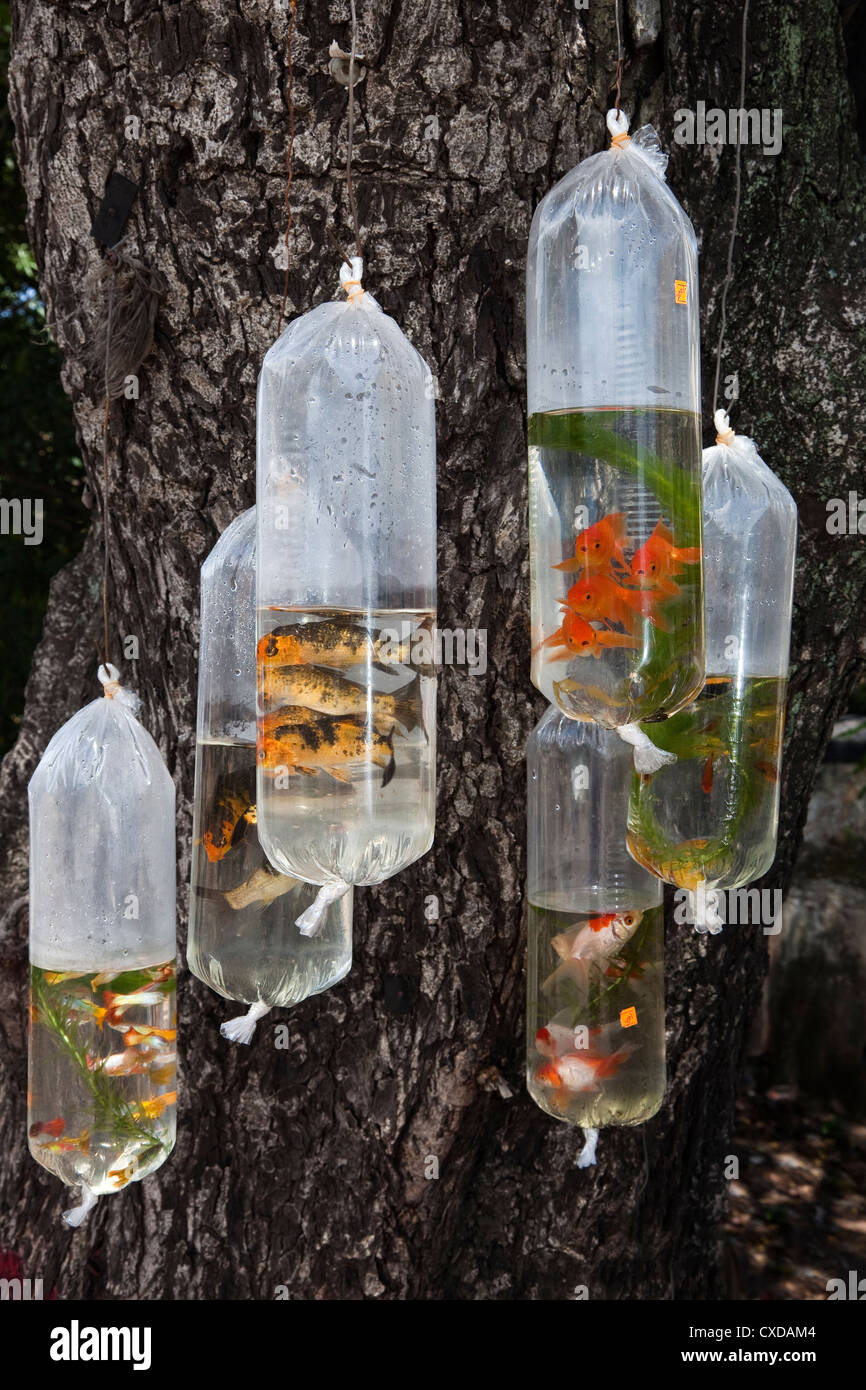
727 439
645 144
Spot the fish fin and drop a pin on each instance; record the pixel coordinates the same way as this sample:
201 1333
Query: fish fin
390 766
662 532
239 831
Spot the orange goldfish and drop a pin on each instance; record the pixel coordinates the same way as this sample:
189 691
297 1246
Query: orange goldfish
600 597
598 546
581 1071
53 1127
576 637
658 559
121 1176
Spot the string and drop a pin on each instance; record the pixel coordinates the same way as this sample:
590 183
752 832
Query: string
105 524
290 102
618 58
729 273
350 191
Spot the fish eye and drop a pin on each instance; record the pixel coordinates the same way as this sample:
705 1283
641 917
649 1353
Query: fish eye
628 918
597 545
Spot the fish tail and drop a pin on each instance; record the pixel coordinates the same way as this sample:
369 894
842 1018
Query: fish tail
691 556
407 713
390 765
571 566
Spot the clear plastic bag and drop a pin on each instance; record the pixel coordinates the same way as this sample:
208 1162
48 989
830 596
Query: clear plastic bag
710 817
346 596
595 984
102 1079
613 381
243 938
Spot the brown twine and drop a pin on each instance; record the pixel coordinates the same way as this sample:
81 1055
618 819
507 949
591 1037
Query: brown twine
290 103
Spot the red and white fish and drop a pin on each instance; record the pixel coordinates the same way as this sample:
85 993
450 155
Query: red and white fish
595 941
581 1071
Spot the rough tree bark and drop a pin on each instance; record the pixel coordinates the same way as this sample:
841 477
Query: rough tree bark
306 1167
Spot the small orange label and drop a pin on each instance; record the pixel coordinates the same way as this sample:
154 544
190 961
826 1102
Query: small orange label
628 1017
681 292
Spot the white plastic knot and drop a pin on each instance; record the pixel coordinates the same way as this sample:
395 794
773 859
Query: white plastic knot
724 433
586 1157
310 921
75 1215
703 907
618 127
350 278
110 678
240 1030
647 758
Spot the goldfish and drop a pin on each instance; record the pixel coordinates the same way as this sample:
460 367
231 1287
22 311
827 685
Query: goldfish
576 637
327 692
658 559
53 1127
323 745
140 1031
121 1176
233 809
597 940
598 546
600 597
154 1108
263 886
581 1071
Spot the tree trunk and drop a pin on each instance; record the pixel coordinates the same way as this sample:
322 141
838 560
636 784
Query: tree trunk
308 1167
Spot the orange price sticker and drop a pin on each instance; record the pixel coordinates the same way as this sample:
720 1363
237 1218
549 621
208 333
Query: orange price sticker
628 1017
681 292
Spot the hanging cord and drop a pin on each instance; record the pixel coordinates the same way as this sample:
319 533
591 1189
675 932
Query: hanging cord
618 58
290 103
350 137
729 273
105 418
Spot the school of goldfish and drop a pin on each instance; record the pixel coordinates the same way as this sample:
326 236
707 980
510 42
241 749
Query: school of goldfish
613 597
317 719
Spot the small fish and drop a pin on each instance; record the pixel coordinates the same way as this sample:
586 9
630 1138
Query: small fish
115 1004
598 546
581 1071
331 642
707 775
323 745
327 692
600 597
230 814
576 637
685 865
141 1031
71 1144
121 1176
768 770
126 1063
154 1108
86 1006
164 1071
57 977
53 1127
658 560
595 941
263 886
